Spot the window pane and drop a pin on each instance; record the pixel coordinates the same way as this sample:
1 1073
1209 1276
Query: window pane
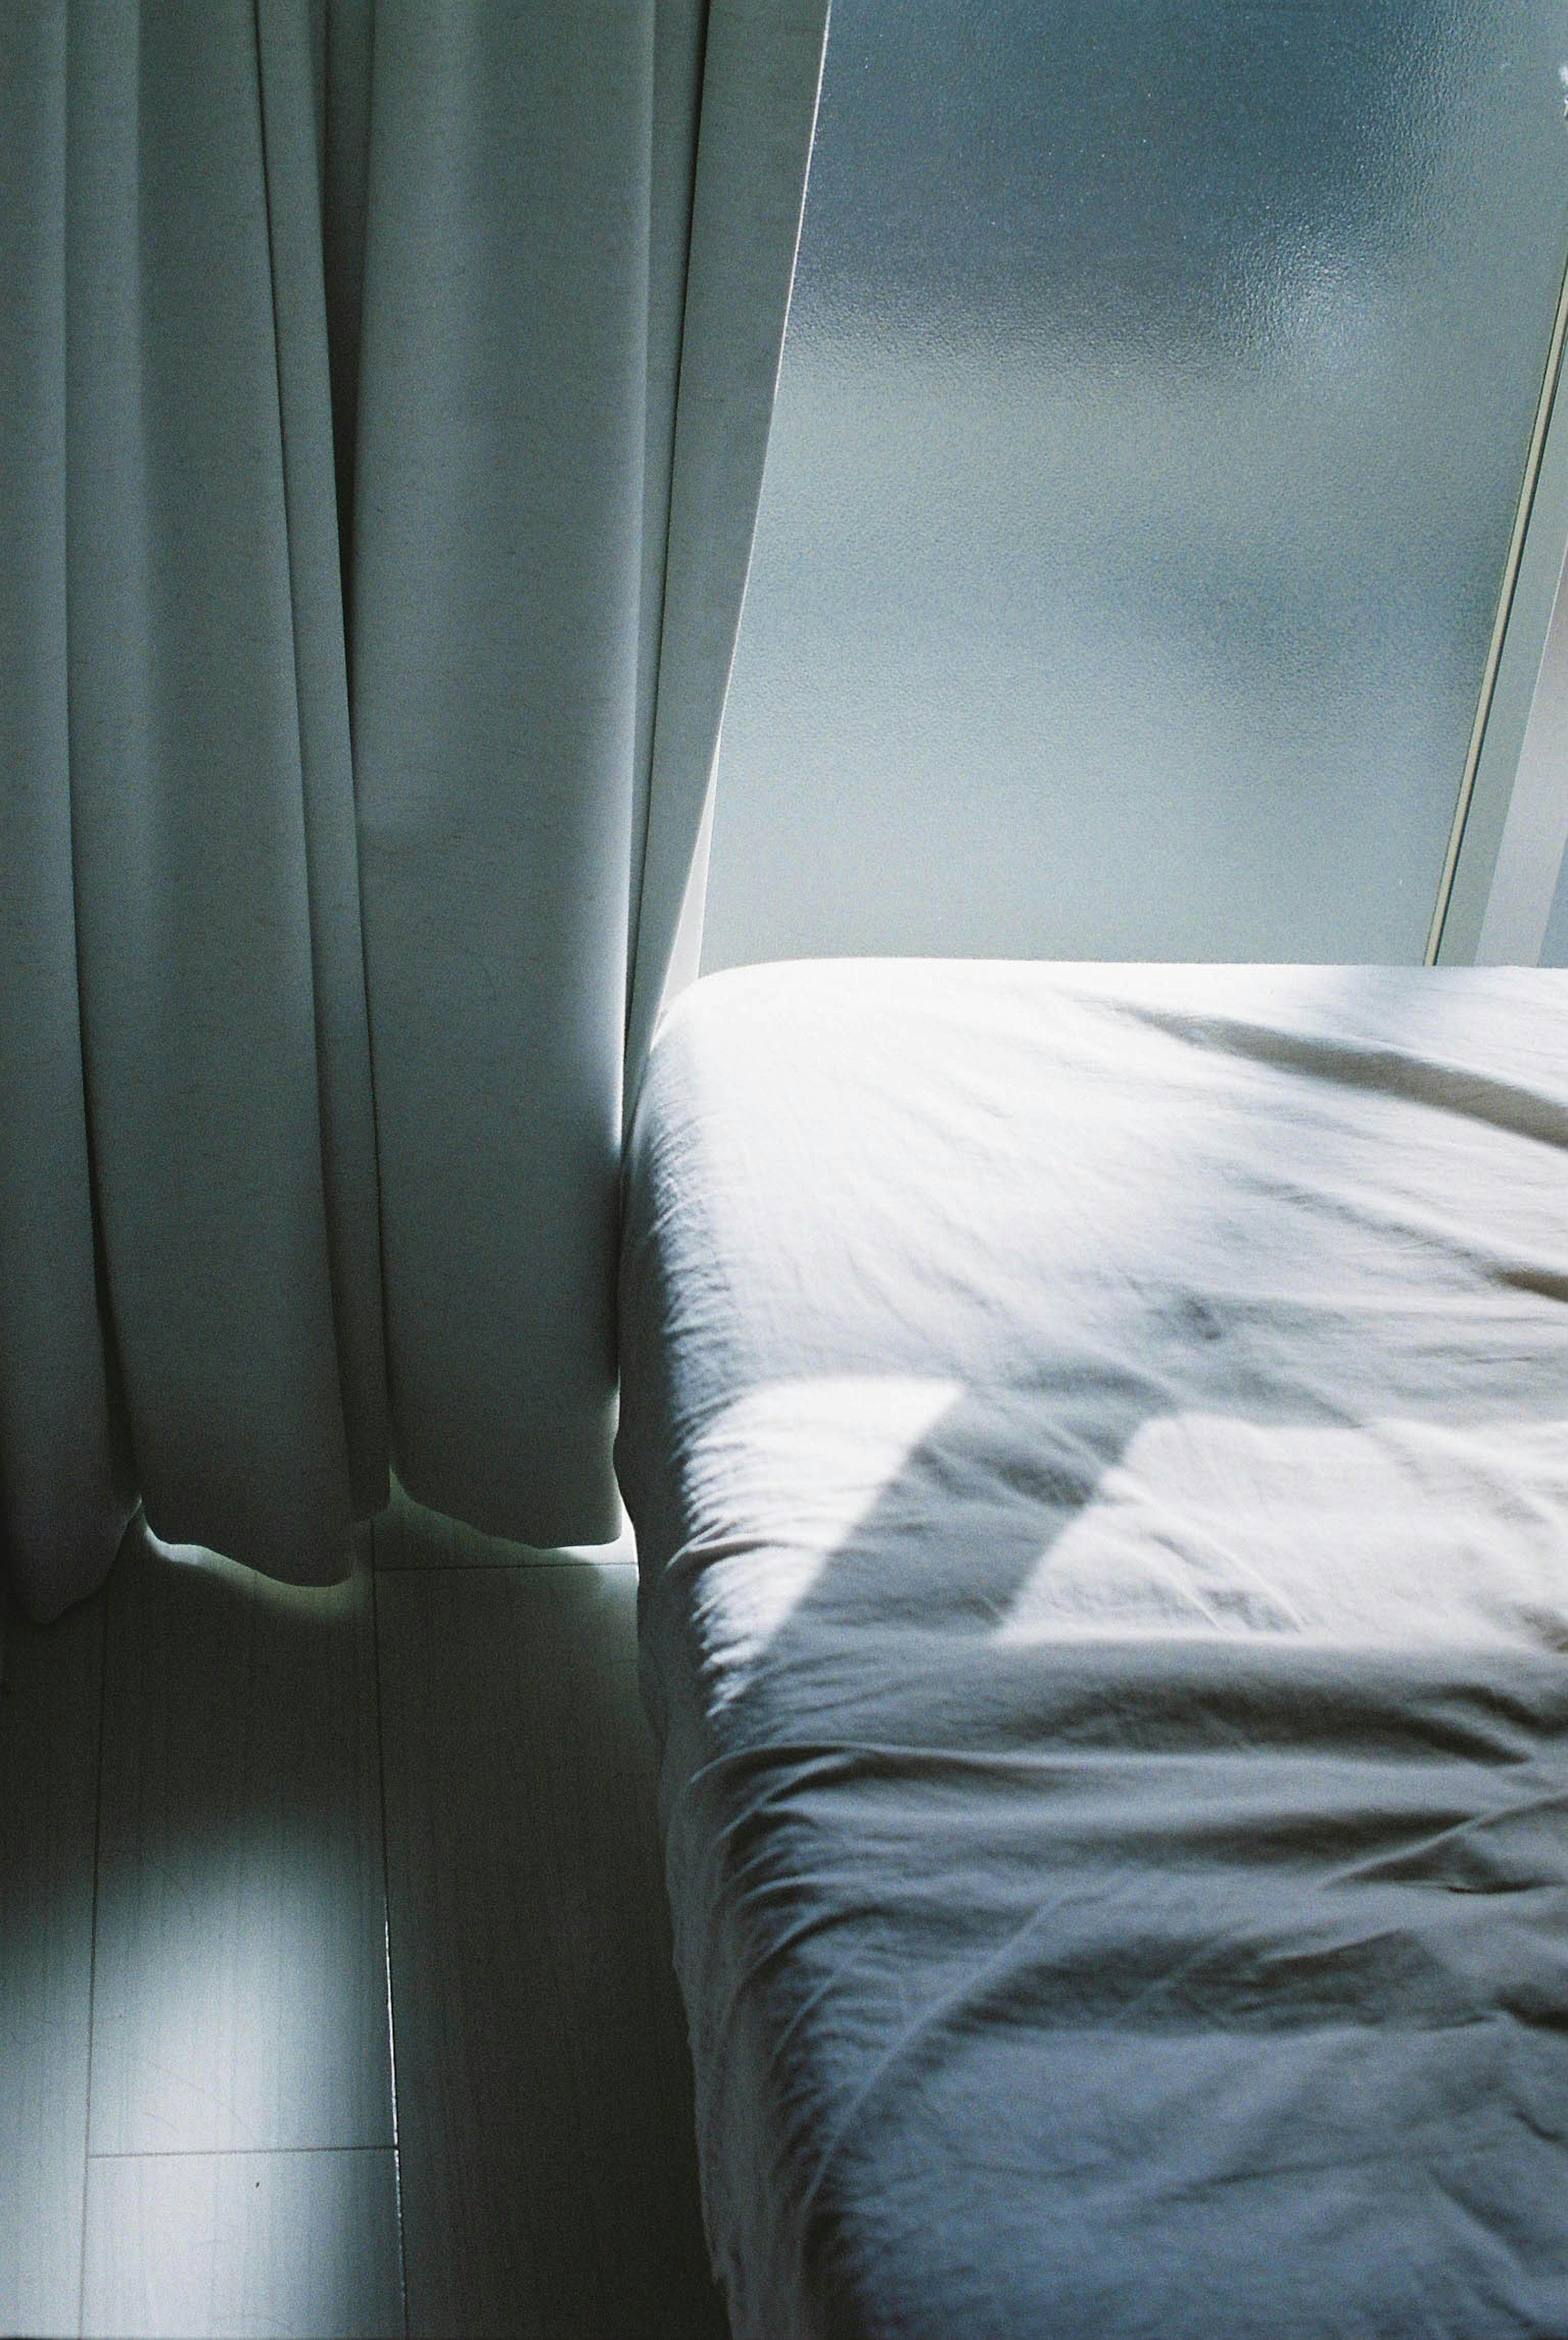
1150 430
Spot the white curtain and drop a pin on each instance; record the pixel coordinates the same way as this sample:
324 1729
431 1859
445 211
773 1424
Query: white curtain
383 397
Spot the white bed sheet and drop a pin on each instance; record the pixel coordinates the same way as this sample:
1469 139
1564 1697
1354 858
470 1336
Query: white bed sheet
1098 1440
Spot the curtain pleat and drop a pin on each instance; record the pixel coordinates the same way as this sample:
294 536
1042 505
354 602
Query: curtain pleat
762 73
65 1483
193 893
679 56
497 559
386 386
294 119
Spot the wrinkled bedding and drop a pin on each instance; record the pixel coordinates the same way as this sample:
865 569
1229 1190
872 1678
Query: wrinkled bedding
1098 1441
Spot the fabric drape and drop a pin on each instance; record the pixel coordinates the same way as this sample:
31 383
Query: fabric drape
385 393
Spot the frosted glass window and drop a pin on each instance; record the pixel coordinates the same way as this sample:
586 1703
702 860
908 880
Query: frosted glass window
1150 431
1555 947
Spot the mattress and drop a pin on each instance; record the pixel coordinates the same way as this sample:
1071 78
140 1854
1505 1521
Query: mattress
1097 1441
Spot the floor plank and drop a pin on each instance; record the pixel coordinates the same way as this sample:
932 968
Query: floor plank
48 1803
278 2245
240 1992
407 1535
548 2167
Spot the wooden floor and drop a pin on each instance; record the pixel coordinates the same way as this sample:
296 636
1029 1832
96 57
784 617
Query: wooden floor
335 1994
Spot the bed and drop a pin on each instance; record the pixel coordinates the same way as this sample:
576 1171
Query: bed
1097 1442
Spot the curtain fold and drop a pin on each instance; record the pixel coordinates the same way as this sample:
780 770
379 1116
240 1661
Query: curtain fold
66 1479
194 909
497 565
385 388
293 57
763 77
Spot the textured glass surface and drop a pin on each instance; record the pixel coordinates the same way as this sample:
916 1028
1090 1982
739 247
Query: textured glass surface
1148 440
1554 948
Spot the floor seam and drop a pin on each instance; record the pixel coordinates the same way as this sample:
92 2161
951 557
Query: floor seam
484 1566
230 2152
88 2157
386 1916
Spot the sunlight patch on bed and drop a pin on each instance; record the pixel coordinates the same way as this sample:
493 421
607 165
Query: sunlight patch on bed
1385 1531
859 1432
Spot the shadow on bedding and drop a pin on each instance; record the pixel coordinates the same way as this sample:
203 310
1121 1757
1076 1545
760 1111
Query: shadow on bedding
1103 1482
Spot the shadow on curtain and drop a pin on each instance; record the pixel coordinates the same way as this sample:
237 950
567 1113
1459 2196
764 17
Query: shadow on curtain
384 396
